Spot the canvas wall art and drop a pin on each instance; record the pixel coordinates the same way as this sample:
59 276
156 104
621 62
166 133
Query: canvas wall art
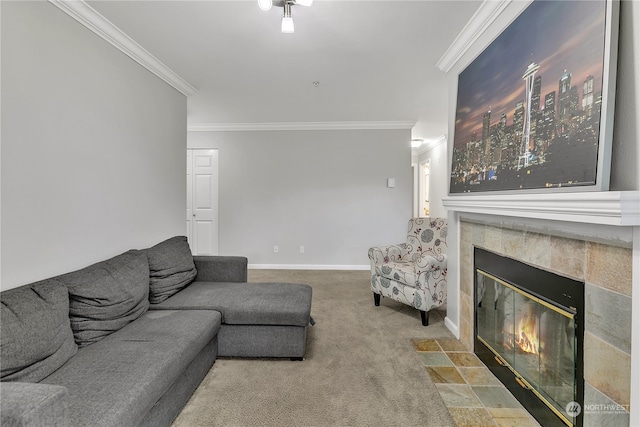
534 110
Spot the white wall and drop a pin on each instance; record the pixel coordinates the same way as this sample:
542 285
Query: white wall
626 160
326 190
626 131
93 148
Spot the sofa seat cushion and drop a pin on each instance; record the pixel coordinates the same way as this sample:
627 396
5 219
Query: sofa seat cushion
35 334
33 404
107 295
171 267
246 303
117 380
399 271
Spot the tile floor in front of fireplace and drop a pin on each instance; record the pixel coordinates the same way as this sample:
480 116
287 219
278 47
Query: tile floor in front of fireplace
473 395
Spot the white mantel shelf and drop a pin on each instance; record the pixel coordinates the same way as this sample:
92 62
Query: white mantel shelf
618 208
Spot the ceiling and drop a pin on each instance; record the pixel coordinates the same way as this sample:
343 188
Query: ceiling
372 60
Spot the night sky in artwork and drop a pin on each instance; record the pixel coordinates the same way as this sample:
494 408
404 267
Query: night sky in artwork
557 35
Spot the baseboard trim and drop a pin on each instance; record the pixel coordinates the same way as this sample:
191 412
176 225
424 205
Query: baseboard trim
452 327
307 267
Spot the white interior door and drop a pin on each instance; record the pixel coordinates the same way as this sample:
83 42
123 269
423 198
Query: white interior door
202 201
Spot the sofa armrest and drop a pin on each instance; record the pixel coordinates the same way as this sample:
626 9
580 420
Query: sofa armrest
33 405
221 268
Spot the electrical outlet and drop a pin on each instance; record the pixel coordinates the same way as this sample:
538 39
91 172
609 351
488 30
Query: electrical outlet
275 249
301 249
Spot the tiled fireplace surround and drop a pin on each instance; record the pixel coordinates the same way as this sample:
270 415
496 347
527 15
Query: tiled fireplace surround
570 240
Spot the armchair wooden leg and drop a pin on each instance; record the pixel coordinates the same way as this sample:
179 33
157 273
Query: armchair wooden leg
424 316
376 299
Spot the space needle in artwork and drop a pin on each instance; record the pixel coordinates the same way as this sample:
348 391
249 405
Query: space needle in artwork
528 77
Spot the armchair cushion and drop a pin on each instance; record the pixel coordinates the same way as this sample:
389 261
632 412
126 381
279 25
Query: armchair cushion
413 272
400 271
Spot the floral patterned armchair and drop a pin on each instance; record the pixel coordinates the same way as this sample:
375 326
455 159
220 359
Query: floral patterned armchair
415 272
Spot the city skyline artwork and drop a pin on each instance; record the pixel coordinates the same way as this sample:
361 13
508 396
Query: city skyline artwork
529 107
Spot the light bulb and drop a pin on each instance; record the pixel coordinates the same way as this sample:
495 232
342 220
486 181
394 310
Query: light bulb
287 24
287 20
304 2
265 4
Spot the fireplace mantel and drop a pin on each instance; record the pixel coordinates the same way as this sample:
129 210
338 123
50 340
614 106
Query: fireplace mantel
617 208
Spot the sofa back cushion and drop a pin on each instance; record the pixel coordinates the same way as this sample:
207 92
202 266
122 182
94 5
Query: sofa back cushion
106 296
171 267
35 334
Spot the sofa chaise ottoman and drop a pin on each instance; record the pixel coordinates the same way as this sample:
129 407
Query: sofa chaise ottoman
258 319
126 341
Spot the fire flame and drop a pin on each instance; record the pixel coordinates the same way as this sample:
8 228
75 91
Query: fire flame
526 334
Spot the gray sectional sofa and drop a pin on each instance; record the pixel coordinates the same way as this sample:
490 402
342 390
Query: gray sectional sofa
125 342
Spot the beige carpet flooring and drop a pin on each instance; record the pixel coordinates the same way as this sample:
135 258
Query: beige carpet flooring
360 368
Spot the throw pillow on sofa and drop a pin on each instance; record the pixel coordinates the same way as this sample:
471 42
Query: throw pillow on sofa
106 296
171 267
35 334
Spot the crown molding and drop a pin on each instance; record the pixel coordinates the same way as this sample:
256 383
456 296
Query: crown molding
93 20
488 11
247 127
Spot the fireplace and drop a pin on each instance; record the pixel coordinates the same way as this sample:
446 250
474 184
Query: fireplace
529 330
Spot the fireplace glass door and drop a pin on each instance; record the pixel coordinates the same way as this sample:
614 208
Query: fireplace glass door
532 337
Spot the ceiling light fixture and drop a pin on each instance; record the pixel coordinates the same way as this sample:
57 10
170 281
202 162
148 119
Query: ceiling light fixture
287 20
265 4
